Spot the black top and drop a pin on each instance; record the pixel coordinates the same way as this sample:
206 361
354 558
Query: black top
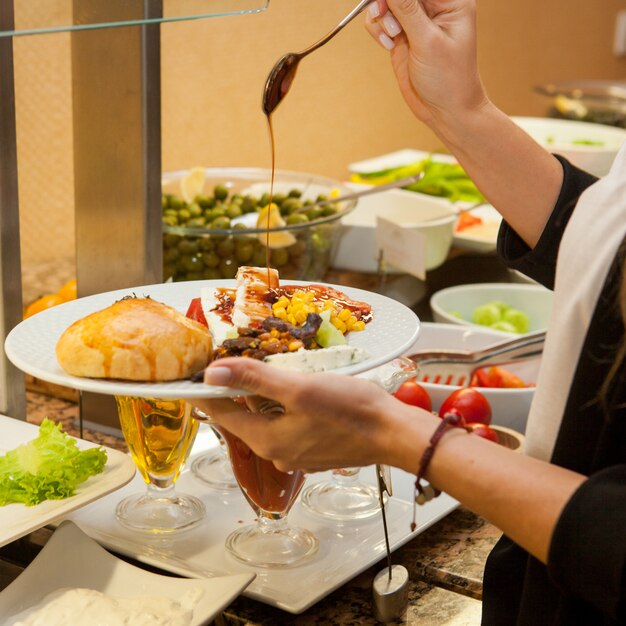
585 579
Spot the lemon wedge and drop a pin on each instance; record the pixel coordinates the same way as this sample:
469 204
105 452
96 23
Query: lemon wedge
275 220
192 184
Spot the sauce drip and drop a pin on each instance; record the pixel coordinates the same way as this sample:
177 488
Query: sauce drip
270 127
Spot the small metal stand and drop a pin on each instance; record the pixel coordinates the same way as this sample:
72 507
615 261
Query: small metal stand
391 585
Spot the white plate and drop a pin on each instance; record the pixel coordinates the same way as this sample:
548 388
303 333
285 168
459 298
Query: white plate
346 549
71 559
31 344
483 237
17 520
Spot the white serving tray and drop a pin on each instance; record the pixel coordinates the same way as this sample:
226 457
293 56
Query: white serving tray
345 549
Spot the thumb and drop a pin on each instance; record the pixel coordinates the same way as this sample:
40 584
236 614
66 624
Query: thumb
252 376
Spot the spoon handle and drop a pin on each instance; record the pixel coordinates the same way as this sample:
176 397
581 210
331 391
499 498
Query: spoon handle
348 18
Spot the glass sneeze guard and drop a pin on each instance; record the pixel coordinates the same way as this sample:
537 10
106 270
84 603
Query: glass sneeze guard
34 17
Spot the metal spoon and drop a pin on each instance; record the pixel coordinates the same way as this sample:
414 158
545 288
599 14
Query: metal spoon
282 74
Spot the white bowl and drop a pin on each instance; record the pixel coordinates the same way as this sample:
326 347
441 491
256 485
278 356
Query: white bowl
562 137
71 559
509 406
534 300
434 217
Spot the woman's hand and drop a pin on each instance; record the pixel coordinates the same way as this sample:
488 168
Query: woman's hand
433 53
326 420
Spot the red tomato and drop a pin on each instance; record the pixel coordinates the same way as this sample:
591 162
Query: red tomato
410 392
470 403
482 430
195 311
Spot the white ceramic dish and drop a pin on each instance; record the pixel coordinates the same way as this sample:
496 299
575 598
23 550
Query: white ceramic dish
17 520
482 237
534 300
346 549
563 137
433 217
31 344
71 559
509 406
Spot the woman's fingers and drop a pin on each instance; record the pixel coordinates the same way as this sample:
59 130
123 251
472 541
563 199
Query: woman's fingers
381 24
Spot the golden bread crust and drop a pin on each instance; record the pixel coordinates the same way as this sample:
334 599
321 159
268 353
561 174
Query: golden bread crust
136 339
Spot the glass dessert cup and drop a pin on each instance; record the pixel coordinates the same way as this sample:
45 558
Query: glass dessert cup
345 497
271 541
159 434
213 468
342 498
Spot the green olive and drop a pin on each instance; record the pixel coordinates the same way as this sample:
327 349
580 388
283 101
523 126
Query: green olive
259 257
329 209
194 276
176 202
210 259
226 248
170 255
264 200
290 205
195 210
279 256
228 268
170 220
191 263
164 201
184 215
244 249
196 222
221 223
279 198
297 218
220 192
206 244
233 211
249 204
314 213
211 273
295 193
169 240
188 246
206 202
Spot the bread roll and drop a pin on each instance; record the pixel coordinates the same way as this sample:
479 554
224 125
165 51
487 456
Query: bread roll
136 339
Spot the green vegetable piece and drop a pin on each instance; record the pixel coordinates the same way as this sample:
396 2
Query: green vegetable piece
506 327
220 192
486 315
49 467
518 319
327 335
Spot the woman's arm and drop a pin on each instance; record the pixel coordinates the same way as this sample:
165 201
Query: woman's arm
434 59
352 422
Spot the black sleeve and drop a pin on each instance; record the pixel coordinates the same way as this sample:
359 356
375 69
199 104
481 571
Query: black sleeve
540 262
588 551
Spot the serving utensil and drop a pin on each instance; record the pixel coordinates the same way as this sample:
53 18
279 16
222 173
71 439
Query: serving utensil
456 367
282 74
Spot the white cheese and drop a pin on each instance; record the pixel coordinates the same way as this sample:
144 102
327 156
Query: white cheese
318 360
88 607
219 328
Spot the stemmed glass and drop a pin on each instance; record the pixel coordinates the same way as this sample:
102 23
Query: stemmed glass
271 541
159 434
344 497
213 468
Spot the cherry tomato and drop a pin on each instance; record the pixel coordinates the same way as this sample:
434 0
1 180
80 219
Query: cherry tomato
484 431
410 392
470 403
195 311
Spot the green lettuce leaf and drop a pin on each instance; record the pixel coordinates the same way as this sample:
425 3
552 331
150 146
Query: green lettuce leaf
49 467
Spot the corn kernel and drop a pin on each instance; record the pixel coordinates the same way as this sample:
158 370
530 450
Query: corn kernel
291 319
281 314
338 324
358 325
344 315
300 316
274 333
294 345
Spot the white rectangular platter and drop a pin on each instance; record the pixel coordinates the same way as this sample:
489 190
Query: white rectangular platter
346 549
17 520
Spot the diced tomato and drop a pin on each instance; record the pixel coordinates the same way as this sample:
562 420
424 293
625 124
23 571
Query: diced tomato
466 220
496 377
195 311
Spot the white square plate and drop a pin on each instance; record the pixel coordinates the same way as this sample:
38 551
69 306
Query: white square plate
71 559
346 549
17 520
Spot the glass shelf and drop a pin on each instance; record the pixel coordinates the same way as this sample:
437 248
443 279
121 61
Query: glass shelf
34 17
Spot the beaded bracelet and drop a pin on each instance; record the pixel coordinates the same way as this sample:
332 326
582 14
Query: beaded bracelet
425 493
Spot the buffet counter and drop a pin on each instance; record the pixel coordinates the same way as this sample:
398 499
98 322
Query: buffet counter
445 562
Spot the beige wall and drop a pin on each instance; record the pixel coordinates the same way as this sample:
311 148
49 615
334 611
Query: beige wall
344 105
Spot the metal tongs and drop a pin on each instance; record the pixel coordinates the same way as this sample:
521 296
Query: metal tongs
456 367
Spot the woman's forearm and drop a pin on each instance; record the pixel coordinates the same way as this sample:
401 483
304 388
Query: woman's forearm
522 496
518 177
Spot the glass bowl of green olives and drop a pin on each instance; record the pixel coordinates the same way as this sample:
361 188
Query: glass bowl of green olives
216 219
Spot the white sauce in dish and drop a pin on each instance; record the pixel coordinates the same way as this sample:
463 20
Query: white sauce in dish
320 360
87 607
